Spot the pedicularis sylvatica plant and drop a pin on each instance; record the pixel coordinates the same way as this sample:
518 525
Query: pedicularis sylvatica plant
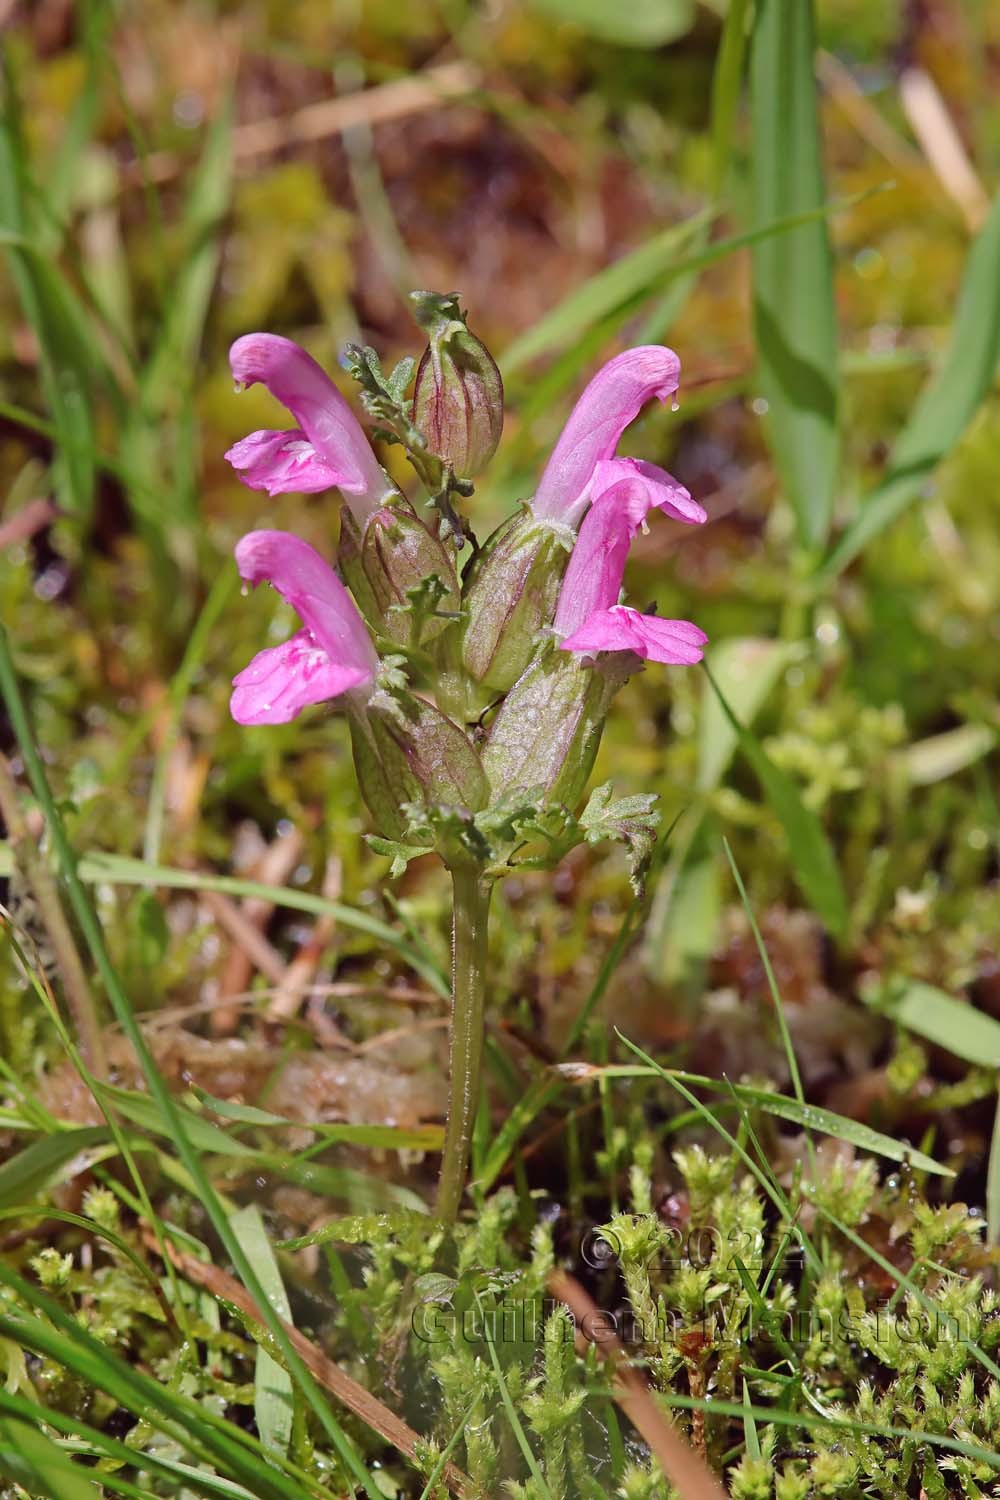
476 679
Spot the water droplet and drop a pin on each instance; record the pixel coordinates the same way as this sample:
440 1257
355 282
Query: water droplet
239 387
675 405
245 590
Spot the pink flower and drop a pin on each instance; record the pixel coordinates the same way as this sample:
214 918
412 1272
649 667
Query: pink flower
622 629
588 614
281 461
331 449
612 400
332 654
625 491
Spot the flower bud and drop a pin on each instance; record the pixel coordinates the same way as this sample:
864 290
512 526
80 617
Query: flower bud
395 555
548 729
511 596
458 396
406 750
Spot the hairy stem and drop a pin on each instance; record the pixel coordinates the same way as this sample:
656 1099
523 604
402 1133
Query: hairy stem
42 884
471 905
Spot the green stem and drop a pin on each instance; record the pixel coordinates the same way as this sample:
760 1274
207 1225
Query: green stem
470 925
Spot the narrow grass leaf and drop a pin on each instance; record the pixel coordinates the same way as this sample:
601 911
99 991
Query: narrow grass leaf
608 297
813 1422
189 1159
946 405
273 1390
64 383
794 313
750 1436
808 1116
145 1111
907 1283
767 1181
89 1441
362 1194
643 272
772 983
40 1165
58 1336
541 1489
814 866
89 1226
993 1181
380 1137
727 80
37 1465
938 1017
120 870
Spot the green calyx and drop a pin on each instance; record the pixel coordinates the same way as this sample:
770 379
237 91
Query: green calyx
458 395
400 573
511 593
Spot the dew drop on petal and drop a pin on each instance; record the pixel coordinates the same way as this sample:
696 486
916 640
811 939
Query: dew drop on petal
245 589
675 405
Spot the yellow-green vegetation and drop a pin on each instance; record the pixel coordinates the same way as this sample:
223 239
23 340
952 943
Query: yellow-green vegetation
747 1115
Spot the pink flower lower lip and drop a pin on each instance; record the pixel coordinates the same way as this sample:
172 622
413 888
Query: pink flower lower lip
332 654
282 462
622 629
340 447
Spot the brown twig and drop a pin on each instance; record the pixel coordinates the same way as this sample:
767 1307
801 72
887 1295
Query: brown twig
394 994
857 108
246 924
314 122
934 128
692 1478
298 976
35 871
251 951
373 1412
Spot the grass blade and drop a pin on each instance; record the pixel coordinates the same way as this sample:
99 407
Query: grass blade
273 1391
993 1182
118 869
794 312
64 381
746 669
59 1336
191 1162
639 272
953 1024
37 1465
946 405
727 79
808 1116
37 1167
